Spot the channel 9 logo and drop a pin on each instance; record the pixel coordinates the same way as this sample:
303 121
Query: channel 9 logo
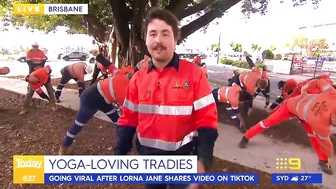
292 164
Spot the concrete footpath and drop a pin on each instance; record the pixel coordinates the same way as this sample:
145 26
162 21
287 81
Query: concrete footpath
260 154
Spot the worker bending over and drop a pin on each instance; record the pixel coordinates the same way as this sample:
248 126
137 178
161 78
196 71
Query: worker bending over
168 101
267 90
98 96
37 79
316 112
76 72
249 81
298 88
231 96
103 65
286 87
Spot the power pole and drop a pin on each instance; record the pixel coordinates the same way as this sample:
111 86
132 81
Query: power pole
219 39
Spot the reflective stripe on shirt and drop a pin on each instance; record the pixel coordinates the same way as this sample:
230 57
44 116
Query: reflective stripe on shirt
203 102
165 145
325 88
305 107
168 109
110 86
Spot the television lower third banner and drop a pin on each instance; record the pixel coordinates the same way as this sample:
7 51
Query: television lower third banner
297 178
50 9
151 178
118 169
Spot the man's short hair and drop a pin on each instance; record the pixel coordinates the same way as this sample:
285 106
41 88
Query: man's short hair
164 15
262 83
129 75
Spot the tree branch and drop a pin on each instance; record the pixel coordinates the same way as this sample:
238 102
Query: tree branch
95 28
218 9
177 6
196 8
153 3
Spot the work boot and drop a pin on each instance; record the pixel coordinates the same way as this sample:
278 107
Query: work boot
243 143
24 110
63 150
325 168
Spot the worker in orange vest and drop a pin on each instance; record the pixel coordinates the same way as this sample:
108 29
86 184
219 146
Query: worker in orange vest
297 89
231 96
103 65
35 58
316 112
38 78
76 72
168 102
249 81
99 96
4 71
286 87
267 90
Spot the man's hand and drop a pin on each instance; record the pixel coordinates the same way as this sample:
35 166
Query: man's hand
142 63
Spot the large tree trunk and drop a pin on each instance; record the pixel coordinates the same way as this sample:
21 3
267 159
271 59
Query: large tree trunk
114 48
137 46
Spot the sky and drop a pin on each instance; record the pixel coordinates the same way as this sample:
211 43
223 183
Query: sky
275 28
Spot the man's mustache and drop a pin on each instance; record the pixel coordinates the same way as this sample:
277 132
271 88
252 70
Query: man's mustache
159 46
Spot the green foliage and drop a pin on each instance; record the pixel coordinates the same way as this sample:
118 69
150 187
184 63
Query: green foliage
16 51
298 42
259 66
278 57
255 47
236 47
267 54
214 47
241 64
226 61
272 48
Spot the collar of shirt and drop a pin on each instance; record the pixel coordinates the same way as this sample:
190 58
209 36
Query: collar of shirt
173 63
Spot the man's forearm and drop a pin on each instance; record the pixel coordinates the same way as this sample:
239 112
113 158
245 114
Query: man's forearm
206 143
125 137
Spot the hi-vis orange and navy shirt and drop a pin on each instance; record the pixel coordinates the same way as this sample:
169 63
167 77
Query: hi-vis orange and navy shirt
43 75
166 108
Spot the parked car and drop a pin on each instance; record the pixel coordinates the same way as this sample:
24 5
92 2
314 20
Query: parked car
75 55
